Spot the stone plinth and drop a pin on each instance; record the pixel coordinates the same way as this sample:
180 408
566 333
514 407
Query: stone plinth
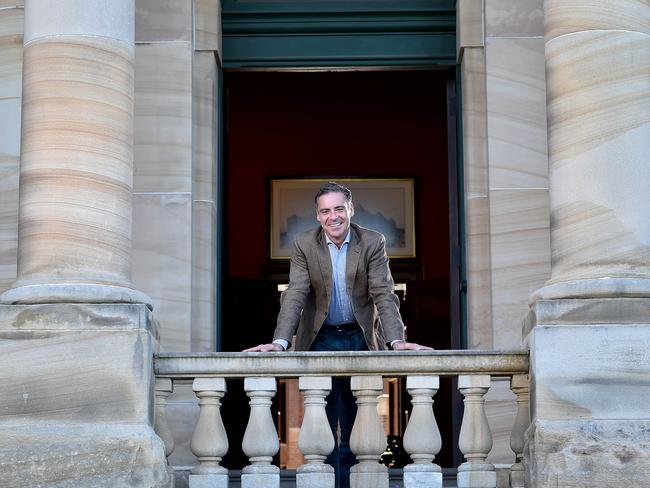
590 369
77 402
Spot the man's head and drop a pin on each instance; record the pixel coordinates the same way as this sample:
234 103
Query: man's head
333 211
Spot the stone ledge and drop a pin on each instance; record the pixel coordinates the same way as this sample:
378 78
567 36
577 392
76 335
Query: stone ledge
584 311
76 316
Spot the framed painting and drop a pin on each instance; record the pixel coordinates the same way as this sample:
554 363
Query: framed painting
385 205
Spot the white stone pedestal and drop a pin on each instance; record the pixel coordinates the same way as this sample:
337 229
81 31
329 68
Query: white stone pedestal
477 478
77 397
422 476
208 481
260 477
377 478
315 476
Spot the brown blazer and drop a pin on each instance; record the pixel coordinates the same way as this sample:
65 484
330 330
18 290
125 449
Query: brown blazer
369 283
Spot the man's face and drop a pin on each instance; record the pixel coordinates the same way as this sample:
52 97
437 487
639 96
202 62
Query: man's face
334 213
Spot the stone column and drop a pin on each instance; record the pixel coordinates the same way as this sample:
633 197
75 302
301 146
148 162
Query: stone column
589 327
76 165
76 340
598 104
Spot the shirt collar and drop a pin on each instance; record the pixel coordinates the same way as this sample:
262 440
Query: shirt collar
345 241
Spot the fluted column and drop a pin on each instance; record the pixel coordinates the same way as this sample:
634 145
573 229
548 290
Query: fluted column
209 440
519 386
598 101
76 167
422 437
260 441
367 439
475 439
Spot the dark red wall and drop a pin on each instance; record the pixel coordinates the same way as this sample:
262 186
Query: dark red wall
362 124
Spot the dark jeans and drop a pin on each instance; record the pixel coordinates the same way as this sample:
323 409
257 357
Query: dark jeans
341 405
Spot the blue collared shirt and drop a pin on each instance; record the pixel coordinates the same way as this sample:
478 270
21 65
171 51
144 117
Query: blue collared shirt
340 309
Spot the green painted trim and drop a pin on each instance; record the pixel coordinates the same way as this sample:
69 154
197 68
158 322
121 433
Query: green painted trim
338 34
339 50
219 204
328 6
462 232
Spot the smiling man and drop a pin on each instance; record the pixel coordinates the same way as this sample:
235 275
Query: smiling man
340 298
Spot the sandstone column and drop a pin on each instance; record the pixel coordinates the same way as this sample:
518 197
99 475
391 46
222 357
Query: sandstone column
598 103
76 165
590 370
76 340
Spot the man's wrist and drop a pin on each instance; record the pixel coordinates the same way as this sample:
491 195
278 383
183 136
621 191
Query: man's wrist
392 343
283 343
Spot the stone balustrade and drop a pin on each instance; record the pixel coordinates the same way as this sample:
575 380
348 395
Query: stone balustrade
422 441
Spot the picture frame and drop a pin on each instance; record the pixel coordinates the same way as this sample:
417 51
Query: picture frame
386 205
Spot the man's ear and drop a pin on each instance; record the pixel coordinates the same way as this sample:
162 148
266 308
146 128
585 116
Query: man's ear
351 209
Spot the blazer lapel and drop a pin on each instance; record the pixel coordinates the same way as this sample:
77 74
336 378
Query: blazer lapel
352 260
325 263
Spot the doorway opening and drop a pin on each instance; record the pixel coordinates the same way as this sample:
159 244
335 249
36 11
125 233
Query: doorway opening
336 125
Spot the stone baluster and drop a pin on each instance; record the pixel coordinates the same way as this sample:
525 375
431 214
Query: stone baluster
260 441
367 439
163 388
315 440
209 441
519 386
475 439
422 438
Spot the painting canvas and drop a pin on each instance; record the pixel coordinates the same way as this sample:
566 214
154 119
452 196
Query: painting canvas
382 204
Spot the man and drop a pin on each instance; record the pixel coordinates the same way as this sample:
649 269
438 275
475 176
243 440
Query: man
340 298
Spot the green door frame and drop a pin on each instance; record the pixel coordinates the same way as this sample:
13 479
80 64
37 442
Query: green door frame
361 34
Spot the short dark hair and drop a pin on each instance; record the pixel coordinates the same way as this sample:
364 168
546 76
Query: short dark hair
333 187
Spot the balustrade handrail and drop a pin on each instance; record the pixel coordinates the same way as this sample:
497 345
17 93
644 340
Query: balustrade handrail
364 363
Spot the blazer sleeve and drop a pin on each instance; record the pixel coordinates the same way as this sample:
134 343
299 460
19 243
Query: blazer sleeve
294 297
382 291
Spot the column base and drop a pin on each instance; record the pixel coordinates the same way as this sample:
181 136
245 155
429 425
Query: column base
422 476
594 288
594 453
590 391
81 456
208 481
517 476
476 476
315 480
363 475
73 293
77 397
261 476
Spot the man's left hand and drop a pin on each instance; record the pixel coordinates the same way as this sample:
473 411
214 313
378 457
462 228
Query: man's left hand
412 346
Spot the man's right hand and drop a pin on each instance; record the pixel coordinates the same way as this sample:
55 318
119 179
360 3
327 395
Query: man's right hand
272 347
